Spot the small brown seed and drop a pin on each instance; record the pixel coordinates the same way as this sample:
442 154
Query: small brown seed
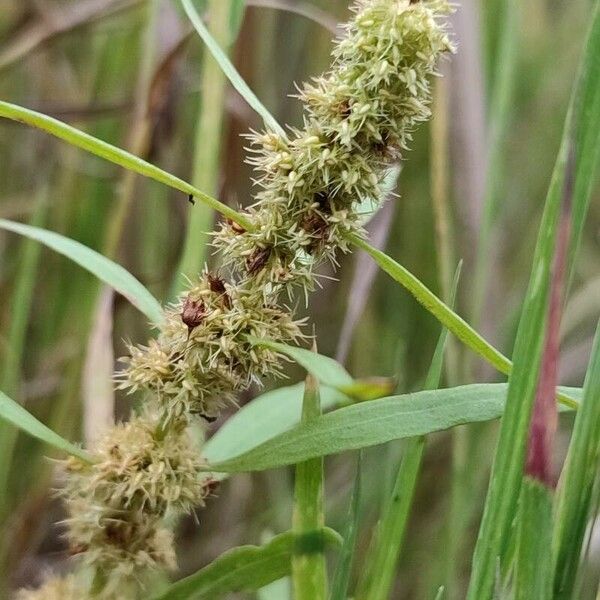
217 285
257 260
193 313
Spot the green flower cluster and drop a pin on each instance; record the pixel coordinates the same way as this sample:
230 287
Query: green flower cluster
202 355
358 119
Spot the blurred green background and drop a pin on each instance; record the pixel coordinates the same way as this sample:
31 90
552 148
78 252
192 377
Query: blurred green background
132 73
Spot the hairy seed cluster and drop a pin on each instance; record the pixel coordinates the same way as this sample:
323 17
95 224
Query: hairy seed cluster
358 119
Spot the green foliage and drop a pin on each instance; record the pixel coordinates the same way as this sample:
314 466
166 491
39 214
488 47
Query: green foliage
104 269
16 415
507 472
341 578
581 468
533 576
111 153
378 577
264 417
376 422
518 554
445 315
243 569
329 372
309 571
230 71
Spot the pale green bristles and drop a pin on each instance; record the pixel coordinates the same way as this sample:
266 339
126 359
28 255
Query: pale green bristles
357 121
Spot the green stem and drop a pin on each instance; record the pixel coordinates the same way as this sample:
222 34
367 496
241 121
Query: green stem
443 313
207 145
116 155
309 573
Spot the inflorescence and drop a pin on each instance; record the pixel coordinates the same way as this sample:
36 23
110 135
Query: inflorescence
358 120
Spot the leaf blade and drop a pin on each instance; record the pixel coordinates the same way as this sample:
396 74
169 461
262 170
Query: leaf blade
246 568
116 155
14 413
104 269
230 71
375 422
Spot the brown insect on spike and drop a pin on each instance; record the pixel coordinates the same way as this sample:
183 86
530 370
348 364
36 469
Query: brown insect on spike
193 313
257 260
217 285
235 227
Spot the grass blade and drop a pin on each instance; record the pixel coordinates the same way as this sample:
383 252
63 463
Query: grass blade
309 574
207 140
533 576
104 269
376 422
265 417
383 556
341 578
243 569
14 353
507 472
443 313
14 413
577 482
534 568
230 71
330 372
111 153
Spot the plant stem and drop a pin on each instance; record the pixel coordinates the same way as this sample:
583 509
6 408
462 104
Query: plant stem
443 313
309 575
116 155
207 146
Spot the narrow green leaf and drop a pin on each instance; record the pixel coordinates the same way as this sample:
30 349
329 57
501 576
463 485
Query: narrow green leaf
327 370
111 153
210 123
20 305
230 71
577 482
506 476
376 422
380 573
243 569
309 574
266 416
442 312
104 269
341 578
14 413
533 576
330 372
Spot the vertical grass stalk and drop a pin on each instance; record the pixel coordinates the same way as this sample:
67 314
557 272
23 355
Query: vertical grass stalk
309 575
207 145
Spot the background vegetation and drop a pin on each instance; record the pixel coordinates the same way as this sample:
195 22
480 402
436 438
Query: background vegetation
473 188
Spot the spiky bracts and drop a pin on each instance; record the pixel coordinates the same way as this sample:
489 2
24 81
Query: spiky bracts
357 121
117 505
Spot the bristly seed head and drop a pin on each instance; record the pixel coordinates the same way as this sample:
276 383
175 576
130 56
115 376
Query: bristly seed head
358 120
